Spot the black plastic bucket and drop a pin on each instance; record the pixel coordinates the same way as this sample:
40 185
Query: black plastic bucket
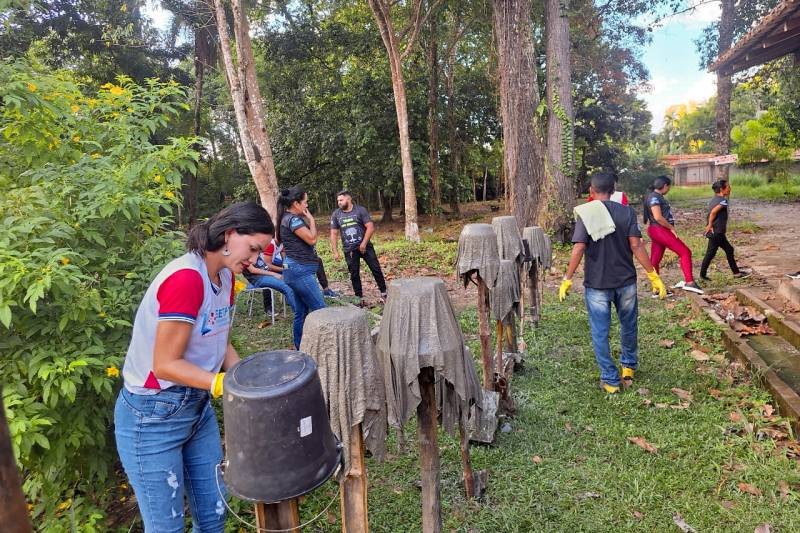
278 440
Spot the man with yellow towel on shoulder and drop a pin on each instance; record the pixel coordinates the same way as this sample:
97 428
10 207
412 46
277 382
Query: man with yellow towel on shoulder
608 234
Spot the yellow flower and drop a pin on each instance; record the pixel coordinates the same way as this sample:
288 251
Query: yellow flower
107 86
238 287
64 260
116 90
31 87
65 504
112 372
169 194
92 102
76 138
95 156
157 178
75 108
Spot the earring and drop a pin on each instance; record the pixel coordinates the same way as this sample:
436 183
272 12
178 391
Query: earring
226 252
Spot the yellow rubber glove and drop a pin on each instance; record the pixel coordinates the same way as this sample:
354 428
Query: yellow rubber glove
564 289
658 285
216 385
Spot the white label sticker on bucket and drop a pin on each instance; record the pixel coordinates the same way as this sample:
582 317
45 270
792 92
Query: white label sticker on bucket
305 426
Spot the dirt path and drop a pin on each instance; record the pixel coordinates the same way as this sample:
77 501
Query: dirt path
774 251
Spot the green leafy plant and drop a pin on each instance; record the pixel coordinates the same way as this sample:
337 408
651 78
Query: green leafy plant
85 211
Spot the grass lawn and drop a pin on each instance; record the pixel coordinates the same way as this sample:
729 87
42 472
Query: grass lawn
749 186
568 463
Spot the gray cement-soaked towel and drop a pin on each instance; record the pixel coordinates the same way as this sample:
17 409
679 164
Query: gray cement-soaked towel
477 250
419 328
339 340
540 246
505 294
509 240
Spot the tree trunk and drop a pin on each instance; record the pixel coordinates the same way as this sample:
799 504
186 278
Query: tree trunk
724 88
200 59
450 117
519 98
386 201
560 194
380 9
433 116
13 514
485 178
247 104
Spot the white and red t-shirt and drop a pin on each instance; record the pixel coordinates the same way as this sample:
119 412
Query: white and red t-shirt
618 196
184 292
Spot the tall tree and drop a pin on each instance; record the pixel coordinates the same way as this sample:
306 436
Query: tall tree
724 87
432 57
393 41
519 97
247 103
560 123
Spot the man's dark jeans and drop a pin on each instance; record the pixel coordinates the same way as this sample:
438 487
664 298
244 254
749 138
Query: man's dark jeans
353 259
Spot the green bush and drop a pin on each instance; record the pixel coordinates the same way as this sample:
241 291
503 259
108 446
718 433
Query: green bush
84 211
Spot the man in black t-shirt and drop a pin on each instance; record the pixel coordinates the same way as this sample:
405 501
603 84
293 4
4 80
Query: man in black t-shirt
357 228
610 276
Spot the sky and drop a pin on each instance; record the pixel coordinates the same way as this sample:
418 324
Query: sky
674 65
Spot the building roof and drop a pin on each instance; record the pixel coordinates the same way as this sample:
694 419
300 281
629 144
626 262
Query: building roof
674 160
774 36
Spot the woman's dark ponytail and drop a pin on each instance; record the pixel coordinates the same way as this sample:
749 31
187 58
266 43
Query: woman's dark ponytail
285 201
245 218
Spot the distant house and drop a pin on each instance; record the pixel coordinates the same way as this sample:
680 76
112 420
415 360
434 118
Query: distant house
692 169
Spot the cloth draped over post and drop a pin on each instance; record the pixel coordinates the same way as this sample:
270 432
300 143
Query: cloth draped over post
596 219
509 241
477 251
419 329
504 296
339 341
539 245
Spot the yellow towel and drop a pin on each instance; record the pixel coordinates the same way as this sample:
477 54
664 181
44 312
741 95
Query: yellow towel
596 218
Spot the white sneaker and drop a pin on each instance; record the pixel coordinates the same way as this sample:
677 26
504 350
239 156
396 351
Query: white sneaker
692 287
678 285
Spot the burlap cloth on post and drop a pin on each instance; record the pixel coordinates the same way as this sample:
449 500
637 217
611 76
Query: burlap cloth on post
505 293
509 241
540 246
477 250
339 341
419 329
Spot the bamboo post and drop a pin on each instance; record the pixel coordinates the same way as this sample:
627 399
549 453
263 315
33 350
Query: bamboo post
498 356
483 330
13 514
427 417
281 515
466 461
353 495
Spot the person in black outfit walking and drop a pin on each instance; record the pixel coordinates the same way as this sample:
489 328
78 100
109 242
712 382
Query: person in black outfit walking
717 217
357 229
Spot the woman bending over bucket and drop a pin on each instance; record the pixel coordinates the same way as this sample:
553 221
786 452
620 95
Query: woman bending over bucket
165 428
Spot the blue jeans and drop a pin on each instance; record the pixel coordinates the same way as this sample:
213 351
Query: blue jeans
279 285
169 445
598 304
302 278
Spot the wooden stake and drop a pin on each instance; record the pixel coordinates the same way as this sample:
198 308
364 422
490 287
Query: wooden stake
498 355
281 515
483 331
427 417
466 461
353 496
533 287
13 514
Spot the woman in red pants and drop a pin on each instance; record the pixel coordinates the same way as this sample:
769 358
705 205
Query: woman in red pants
661 229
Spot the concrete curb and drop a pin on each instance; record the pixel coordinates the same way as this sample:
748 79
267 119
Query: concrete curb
787 399
786 328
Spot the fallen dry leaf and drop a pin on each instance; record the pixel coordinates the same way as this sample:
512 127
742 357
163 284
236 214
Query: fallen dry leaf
718 357
537 460
763 528
783 487
589 494
662 405
647 402
749 489
667 343
697 355
735 417
643 391
643 444
638 515
682 394
682 525
772 433
727 504
716 393
681 405
767 409
670 305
